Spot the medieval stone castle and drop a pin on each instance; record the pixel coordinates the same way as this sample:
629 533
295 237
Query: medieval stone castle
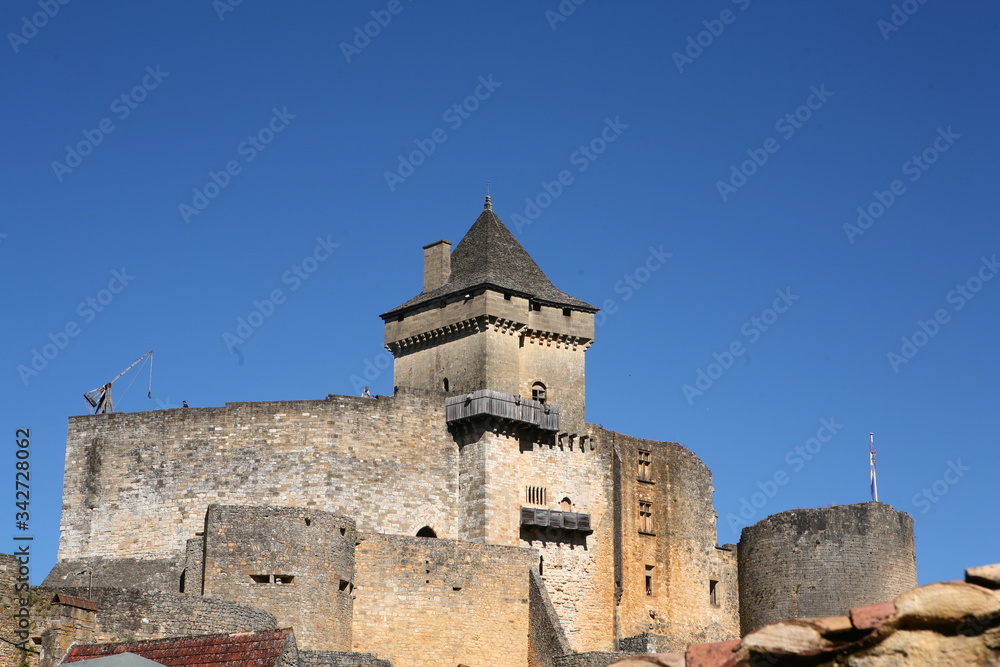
473 517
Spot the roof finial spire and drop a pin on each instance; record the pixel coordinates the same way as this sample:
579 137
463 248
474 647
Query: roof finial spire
488 206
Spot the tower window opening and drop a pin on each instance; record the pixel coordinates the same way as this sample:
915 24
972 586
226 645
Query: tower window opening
446 384
536 306
646 517
644 472
649 580
567 312
538 392
426 531
713 592
506 296
566 505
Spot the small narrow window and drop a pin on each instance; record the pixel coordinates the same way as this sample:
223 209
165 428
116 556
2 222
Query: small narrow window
183 577
344 583
649 580
566 505
538 392
261 578
283 578
644 472
567 312
535 495
713 592
446 384
506 296
536 306
645 517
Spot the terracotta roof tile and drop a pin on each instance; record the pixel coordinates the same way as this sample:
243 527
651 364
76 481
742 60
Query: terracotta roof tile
243 649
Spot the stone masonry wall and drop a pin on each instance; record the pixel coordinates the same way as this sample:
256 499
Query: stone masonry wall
138 484
819 562
442 602
546 636
296 563
125 615
681 548
160 574
10 625
578 569
340 659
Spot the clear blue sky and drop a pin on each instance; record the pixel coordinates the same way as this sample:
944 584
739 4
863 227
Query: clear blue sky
738 137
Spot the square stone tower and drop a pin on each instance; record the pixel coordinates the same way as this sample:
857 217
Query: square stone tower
489 319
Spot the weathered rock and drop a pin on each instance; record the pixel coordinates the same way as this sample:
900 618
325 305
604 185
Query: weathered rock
984 575
945 606
872 615
718 654
925 648
786 637
830 624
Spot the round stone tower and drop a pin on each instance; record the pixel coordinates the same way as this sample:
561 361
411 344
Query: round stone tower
821 562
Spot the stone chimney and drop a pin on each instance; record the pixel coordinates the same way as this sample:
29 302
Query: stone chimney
437 264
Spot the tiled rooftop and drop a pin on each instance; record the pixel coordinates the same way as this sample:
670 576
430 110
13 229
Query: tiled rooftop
241 649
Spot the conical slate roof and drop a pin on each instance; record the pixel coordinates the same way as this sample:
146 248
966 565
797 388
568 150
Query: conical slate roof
489 255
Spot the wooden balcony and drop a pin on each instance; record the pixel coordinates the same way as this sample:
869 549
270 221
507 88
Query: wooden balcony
506 407
568 521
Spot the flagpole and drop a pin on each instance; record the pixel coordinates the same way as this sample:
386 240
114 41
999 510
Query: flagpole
871 457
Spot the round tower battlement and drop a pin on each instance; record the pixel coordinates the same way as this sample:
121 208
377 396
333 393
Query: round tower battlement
821 562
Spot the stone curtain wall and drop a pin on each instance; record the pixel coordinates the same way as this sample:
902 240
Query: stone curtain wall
163 574
339 659
125 615
682 552
250 553
138 484
578 569
546 637
441 602
819 562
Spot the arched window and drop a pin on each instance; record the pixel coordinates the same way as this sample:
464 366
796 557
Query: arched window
445 383
426 531
566 505
538 392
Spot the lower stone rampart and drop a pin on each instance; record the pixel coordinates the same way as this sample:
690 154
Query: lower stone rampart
547 638
160 574
340 659
442 602
590 659
126 615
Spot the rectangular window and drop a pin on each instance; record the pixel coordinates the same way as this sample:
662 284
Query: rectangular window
714 594
645 517
644 472
649 580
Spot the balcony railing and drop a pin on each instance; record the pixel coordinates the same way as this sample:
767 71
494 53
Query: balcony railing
507 407
570 521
